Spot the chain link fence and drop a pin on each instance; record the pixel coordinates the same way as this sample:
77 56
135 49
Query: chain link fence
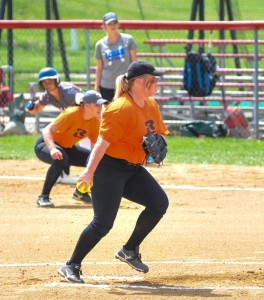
71 51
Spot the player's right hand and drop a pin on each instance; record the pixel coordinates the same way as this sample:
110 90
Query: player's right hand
56 154
85 179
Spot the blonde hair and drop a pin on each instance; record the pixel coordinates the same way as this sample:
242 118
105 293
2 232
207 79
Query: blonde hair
123 85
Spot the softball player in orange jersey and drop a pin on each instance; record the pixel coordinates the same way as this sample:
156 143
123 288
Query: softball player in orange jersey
115 169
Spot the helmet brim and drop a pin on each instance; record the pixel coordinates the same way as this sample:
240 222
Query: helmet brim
48 77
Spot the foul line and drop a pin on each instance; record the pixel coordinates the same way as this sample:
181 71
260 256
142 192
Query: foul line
211 188
73 179
35 178
133 282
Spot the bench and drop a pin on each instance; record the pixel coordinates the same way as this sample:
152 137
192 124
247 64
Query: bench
184 98
237 84
162 42
219 70
179 84
231 79
218 84
183 55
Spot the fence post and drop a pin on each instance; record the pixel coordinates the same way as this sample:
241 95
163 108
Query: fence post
256 87
88 64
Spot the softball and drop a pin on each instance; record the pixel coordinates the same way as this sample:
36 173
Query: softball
82 189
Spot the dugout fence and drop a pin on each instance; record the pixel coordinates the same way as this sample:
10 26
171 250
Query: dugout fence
170 56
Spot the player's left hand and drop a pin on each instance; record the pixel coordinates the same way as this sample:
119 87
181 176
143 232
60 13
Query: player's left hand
154 145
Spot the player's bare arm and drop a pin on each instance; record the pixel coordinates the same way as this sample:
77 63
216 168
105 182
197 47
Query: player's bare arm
133 55
98 74
97 153
48 138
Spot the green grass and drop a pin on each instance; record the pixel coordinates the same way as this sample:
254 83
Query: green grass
225 151
17 147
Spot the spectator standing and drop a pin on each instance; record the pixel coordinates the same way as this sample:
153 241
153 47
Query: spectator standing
113 53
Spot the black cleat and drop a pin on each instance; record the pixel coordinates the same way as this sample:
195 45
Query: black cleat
44 201
133 258
81 197
71 273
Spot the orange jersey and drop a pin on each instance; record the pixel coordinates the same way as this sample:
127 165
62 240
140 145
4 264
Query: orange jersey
70 127
124 124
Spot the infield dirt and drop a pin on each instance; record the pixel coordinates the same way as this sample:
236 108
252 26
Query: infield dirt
209 245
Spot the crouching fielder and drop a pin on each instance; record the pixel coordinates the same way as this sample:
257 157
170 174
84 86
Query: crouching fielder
115 169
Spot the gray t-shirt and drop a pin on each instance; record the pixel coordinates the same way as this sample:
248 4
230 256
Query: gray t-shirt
115 57
70 96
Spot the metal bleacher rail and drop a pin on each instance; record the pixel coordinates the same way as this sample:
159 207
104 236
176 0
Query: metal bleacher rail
241 79
170 88
234 87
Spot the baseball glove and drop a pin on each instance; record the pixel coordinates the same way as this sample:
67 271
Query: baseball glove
154 145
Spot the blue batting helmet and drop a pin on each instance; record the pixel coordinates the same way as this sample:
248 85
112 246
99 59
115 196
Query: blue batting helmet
48 73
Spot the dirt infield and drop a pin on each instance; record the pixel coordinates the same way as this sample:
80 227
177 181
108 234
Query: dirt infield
209 245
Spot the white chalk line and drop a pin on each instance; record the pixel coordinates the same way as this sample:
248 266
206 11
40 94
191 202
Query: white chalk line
73 179
23 178
211 188
122 278
172 262
131 280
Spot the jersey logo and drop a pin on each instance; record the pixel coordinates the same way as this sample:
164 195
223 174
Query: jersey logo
115 55
80 133
150 126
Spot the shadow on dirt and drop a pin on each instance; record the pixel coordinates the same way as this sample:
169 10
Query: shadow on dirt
149 289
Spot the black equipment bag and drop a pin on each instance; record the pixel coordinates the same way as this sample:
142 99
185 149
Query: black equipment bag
199 76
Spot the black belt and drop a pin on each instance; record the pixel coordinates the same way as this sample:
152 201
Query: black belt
127 163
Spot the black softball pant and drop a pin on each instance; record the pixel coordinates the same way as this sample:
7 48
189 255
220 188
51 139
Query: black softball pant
75 156
114 179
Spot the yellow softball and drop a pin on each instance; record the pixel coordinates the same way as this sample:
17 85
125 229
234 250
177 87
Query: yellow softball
82 189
